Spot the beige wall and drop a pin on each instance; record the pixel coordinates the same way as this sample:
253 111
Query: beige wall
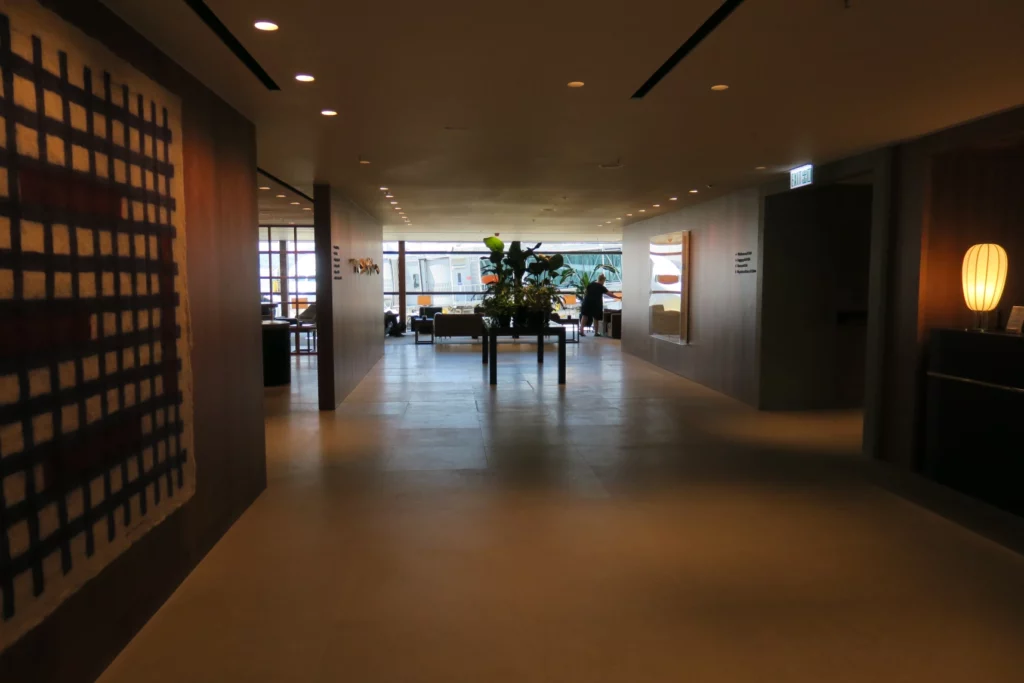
722 353
350 311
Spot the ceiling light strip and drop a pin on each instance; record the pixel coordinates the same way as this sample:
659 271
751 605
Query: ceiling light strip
207 16
705 29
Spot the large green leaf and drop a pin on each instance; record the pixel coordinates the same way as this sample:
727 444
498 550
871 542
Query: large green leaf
494 244
537 268
555 262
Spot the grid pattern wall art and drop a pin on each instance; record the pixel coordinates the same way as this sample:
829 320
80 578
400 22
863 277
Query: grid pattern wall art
95 381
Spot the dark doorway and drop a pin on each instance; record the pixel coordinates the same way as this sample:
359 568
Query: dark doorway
817 244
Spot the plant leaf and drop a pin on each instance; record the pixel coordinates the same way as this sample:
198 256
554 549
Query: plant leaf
556 261
494 244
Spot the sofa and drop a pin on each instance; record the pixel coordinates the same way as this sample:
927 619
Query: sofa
458 325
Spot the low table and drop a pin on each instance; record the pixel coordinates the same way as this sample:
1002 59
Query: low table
490 347
574 327
426 326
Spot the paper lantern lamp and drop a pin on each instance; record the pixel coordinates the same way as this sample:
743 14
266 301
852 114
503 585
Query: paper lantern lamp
984 276
489 279
667 279
423 300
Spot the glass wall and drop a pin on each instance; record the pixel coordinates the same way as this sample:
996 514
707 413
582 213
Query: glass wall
287 269
448 274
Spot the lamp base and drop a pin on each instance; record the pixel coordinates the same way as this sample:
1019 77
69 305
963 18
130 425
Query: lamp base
980 321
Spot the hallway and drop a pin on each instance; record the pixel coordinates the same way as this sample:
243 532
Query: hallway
631 526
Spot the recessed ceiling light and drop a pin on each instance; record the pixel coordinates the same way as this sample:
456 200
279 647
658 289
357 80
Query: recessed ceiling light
295 203
306 208
266 26
281 196
619 218
656 206
760 168
673 199
264 188
384 188
720 87
329 112
398 208
607 222
629 214
575 84
304 78
365 162
694 191
643 210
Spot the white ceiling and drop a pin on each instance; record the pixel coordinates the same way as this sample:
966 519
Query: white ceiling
463 110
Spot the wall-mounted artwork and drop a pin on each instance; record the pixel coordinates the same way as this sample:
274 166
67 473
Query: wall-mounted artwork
364 266
95 380
669 298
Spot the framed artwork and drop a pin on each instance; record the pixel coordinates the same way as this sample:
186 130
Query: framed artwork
95 378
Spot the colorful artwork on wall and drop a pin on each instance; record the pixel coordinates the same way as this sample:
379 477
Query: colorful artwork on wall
364 266
95 379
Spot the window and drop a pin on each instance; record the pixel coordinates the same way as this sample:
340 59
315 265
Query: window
450 275
669 286
287 268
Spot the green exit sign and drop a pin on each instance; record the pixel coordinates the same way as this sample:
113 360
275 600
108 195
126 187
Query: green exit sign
800 176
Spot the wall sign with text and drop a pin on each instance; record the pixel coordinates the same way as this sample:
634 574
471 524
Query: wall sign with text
745 263
336 261
801 176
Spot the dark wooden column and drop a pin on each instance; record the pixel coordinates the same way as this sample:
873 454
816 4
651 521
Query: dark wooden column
401 281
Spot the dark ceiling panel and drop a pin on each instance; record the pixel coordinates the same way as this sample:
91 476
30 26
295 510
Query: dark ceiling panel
228 38
705 29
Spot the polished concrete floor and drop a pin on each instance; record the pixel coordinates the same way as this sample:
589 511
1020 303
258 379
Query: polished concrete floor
631 526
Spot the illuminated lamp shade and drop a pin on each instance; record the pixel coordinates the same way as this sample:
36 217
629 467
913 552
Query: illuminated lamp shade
984 275
489 279
667 279
423 300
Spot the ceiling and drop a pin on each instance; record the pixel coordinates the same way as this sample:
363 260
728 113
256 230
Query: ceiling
282 205
462 107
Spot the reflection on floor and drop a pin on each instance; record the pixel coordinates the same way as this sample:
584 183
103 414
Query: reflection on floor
631 526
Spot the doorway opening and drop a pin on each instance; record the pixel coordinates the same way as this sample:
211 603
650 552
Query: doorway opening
815 297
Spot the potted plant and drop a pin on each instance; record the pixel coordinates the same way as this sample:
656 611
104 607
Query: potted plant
581 279
521 283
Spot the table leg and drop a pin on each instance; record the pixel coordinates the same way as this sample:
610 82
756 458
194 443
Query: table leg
561 356
494 359
540 348
485 347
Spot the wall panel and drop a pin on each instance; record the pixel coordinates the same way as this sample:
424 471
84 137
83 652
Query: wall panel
350 313
219 159
722 353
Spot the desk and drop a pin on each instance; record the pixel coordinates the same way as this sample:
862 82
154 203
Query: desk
492 331
277 365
